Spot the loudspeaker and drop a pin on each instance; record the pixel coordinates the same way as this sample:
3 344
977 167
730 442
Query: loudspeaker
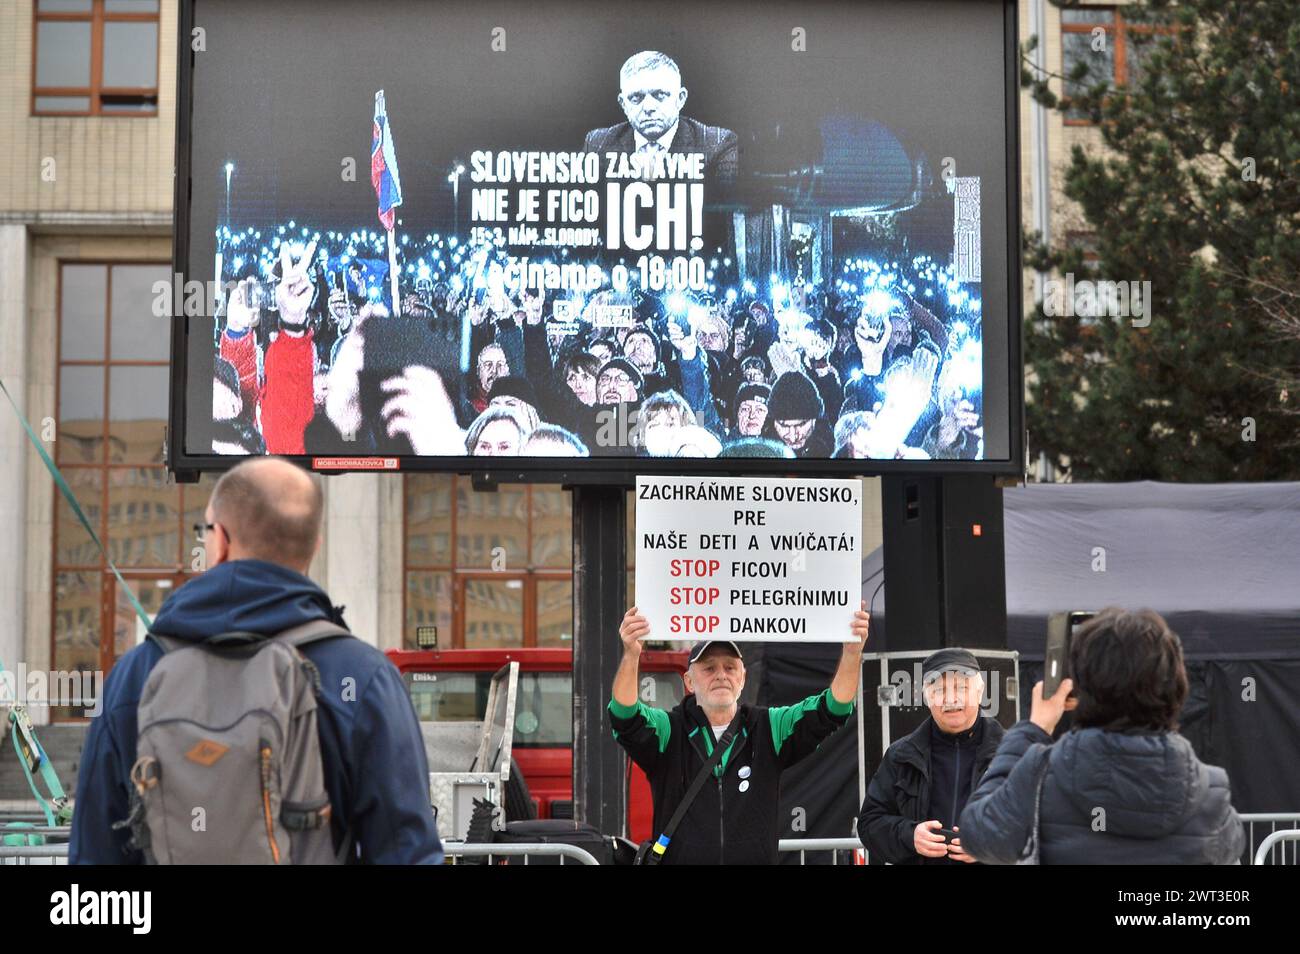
945 563
974 563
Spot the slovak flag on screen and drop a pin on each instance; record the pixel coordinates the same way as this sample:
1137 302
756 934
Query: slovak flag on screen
383 165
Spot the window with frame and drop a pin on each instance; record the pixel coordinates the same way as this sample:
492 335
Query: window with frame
1120 61
544 706
489 570
112 411
95 58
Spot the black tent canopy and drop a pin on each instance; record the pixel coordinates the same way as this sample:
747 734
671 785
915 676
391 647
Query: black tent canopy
1221 562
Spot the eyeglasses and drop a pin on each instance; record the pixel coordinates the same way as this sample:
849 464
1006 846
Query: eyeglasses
615 378
201 532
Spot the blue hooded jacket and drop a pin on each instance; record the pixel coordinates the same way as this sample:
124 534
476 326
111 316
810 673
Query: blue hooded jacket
376 773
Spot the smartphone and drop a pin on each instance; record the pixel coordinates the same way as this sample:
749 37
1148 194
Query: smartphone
682 322
259 295
948 834
392 344
1056 660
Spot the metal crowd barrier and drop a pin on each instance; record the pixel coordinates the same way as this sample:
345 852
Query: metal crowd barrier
526 851
33 855
58 854
1272 849
833 845
490 851
1269 844
47 854
1289 831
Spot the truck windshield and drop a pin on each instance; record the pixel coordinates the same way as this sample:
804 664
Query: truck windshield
543 709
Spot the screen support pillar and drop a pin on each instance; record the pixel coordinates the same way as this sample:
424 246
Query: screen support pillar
599 602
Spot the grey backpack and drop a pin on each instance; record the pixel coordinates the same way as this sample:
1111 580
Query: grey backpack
228 767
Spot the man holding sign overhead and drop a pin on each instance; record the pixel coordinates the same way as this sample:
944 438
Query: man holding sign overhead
714 764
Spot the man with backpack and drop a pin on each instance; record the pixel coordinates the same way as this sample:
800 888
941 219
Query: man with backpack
715 765
252 727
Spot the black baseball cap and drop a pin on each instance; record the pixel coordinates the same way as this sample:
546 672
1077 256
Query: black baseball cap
700 648
949 660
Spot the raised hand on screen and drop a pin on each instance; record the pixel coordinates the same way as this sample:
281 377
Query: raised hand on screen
907 386
294 293
418 406
682 340
240 312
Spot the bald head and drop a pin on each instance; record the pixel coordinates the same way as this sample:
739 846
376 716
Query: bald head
269 510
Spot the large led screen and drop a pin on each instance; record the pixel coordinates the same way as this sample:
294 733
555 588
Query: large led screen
689 237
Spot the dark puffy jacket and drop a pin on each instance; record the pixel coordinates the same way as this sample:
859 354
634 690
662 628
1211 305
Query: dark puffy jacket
735 821
1109 798
372 750
898 798
819 446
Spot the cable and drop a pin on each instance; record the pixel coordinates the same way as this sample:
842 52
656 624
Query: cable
867 578
872 605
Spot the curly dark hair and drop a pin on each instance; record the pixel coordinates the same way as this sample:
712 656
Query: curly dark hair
1128 672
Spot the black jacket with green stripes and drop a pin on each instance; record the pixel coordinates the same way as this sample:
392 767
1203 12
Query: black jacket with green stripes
735 819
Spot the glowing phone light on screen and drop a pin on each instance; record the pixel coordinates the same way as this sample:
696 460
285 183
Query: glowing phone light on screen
879 303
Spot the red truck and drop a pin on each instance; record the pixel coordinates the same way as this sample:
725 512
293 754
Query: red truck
452 684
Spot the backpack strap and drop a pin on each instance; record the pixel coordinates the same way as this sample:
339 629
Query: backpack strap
232 641
312 631
309 632
165 643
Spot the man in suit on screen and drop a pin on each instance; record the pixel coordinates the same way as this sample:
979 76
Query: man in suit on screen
652 96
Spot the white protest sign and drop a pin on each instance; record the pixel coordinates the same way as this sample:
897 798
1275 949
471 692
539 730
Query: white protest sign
613 316
757 559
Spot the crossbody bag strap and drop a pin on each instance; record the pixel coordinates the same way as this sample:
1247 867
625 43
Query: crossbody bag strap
661 843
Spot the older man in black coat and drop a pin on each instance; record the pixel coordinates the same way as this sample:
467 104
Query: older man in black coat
926 777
